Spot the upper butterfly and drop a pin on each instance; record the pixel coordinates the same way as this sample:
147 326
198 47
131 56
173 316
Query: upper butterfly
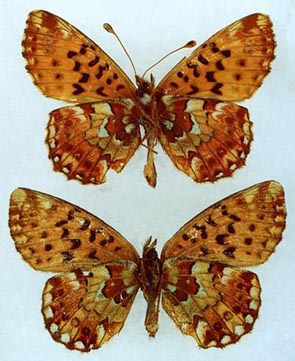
190 112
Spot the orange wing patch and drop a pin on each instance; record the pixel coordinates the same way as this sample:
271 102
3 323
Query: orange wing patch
229 66
205 137
66 65
197 276
55 236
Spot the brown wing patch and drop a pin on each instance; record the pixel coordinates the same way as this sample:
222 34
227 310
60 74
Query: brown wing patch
83 311
206 139
211 302
86 141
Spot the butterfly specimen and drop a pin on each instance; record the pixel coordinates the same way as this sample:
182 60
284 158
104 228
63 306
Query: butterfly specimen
190 112
197 275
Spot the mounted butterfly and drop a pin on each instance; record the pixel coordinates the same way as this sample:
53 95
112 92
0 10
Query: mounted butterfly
197 276
190 113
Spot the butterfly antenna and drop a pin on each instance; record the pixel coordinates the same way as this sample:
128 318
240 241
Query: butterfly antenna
189 44
110 30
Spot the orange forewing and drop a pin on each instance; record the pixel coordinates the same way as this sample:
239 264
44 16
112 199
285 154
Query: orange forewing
62 61
229 66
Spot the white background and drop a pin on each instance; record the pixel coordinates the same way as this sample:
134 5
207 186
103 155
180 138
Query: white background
149 30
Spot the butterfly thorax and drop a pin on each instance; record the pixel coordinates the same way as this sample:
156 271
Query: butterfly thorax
144 91
150 272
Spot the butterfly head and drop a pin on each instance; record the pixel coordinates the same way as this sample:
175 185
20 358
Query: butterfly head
145 88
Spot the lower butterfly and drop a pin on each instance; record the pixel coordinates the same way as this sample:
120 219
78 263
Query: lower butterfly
198 276
191 112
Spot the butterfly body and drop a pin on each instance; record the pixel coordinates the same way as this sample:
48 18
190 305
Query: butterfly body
150 275
198 276
190 112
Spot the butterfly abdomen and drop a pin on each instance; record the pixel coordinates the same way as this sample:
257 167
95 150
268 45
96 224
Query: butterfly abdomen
150 275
